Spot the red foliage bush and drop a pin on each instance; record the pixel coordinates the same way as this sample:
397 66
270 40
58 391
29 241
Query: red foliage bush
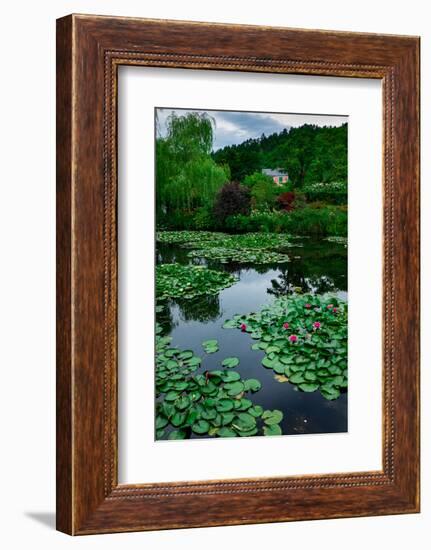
286 201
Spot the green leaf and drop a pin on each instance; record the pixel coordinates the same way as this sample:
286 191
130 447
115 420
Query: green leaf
252 385
224 405
230 376
272 417
234 388
308 387
329 392
255 411
227 418
160 433
210 343
177 434
209 414
182 403
226 432
243 405
267 363
161 422
296 378
279 368
171 396
201 427
230 324
194 361
273 429
230 362
178 419
186 354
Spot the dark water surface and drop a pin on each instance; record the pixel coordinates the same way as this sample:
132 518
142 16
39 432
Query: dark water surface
316 266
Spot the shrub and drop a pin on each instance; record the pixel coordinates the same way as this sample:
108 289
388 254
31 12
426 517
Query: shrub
256 178
329 220
203 219
286 201
231 199
332 193
263 195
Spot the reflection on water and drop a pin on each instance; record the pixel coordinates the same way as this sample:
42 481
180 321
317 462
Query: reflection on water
316 267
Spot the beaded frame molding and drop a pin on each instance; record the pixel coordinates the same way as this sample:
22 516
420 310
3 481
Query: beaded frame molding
89 51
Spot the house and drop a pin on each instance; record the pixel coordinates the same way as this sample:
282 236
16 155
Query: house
279 177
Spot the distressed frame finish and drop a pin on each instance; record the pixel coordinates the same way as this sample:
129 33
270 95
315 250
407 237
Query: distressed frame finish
89 51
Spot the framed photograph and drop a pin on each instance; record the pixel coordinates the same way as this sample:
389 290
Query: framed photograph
237 274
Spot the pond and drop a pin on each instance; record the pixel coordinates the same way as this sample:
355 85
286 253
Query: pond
316 266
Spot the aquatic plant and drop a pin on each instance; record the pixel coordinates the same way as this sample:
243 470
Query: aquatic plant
207 239
187 281
241 255
304 338
209 403
183 237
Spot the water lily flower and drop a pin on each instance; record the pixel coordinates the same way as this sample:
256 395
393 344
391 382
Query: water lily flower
316 325
308 306
330 306
286 325
335 310
293 338
243 327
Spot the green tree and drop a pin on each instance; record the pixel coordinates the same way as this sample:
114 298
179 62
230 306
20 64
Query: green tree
186 175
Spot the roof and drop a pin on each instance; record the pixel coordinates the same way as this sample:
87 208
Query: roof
273 172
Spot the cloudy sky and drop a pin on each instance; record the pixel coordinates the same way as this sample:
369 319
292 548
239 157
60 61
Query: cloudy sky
233 127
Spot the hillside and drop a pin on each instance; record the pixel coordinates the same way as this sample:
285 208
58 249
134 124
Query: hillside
310 154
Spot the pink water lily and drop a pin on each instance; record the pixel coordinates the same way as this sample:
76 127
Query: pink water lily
307 306
330 306
243 327
293 338
317 325
286 325
335 310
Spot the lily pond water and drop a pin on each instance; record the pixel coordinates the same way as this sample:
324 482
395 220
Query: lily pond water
316 268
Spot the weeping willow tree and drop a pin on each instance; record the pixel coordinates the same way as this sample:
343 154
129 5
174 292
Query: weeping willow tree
186 175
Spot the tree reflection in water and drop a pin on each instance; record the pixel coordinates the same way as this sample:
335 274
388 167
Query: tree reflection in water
204 308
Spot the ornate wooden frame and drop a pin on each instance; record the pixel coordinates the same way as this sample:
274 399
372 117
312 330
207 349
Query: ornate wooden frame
89 51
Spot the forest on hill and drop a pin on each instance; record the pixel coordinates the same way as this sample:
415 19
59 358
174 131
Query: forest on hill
310 154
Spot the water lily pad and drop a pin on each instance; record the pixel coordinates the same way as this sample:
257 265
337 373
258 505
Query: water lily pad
187 281
308 387
224 405
161 422
186 354
230 376
178 419
234 388
252 385
210 346
226 432
201 427
171 396
177 434
255 411
272 417
297 378
230 362
182 402
243 404
329 392
272 429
